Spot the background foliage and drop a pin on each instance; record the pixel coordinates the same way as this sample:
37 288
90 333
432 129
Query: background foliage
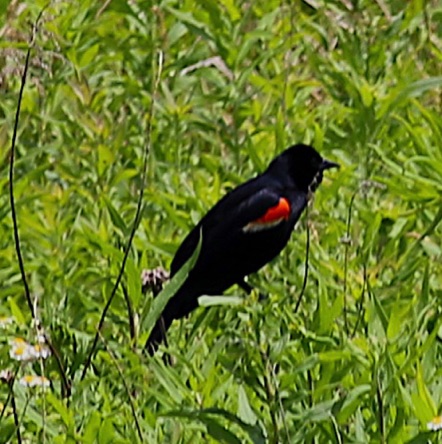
238 82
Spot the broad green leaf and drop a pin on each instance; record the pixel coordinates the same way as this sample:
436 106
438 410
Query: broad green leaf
160 301
245 412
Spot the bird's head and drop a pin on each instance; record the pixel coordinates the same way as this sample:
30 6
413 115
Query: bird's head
302 165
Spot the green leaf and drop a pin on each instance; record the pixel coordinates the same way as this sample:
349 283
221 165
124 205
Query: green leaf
210 301
220 433
65 413
353 400
107 433
245 412
424 405
160 301
92 428
254 432
380 312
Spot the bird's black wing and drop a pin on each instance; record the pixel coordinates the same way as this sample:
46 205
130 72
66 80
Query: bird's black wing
235 210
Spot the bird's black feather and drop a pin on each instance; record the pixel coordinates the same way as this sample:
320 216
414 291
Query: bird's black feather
229 252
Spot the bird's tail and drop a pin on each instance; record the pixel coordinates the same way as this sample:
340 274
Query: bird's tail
158 333
179 306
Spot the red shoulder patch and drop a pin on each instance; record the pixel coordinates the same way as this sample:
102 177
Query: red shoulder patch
280 211
272 217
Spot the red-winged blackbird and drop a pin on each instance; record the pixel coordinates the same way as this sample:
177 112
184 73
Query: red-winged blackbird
246 229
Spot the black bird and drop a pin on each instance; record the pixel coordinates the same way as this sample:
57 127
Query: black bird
246 229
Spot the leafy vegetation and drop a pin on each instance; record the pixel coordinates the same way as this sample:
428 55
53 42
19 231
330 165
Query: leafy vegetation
230 84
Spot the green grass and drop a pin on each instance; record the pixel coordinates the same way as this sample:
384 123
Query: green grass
361 81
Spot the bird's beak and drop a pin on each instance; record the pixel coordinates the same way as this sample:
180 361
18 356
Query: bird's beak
327 164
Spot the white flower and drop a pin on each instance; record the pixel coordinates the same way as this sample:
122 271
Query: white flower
20 350
41 339
435 423
23 351
5 321
16 342
39 351
34 381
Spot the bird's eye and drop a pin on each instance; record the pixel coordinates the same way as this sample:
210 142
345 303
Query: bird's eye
316 164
